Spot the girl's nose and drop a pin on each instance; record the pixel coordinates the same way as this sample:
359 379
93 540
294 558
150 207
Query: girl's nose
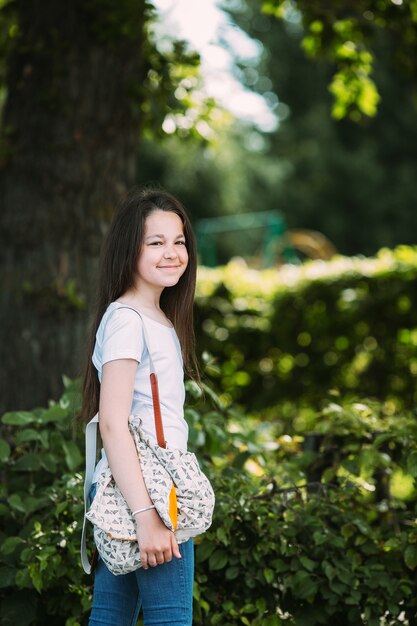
170 252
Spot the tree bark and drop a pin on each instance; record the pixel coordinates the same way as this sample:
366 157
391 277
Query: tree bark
68 152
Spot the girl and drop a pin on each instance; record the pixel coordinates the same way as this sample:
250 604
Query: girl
148 266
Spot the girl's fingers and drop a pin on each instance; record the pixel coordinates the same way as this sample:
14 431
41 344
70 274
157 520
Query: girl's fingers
160 558
168 555
175 549
153 557
144 560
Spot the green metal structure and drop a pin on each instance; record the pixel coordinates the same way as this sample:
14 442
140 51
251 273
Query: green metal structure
274 243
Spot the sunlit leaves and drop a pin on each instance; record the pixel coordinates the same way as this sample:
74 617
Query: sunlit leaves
348 323
344 33
355 93
174 97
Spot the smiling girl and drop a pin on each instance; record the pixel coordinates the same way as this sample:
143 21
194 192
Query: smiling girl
148 267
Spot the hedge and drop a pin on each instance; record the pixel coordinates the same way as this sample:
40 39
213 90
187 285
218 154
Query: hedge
283 337
312 528
325 535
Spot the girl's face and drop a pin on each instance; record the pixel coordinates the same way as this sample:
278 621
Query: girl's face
163 258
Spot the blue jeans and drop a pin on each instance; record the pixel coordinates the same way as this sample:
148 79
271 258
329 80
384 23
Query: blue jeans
164 592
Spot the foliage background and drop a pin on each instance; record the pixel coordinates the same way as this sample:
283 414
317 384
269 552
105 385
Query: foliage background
342 160
282 339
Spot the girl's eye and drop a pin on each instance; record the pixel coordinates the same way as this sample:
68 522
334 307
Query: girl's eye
160 243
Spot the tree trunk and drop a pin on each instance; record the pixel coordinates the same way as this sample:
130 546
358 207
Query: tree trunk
68 152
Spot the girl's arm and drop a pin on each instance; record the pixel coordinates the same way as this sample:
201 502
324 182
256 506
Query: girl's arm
157 543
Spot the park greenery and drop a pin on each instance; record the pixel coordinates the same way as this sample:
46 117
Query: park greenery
281 339
352 180
67 153
306 423
346 33
315 515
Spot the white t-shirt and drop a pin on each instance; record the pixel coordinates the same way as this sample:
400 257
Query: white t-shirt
120 336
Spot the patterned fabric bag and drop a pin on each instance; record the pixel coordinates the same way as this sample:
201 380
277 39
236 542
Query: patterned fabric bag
181 493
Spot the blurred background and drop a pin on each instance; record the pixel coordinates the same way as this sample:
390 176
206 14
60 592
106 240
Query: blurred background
288 129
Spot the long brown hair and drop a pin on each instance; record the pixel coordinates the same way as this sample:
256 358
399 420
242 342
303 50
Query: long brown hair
119 260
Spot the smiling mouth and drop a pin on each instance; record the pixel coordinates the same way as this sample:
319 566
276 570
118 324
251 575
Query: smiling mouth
168 267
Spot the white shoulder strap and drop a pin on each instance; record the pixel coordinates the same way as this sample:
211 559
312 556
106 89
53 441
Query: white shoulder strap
145 337
91 453
90 462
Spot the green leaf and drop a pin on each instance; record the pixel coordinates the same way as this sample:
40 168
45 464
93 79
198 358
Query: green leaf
269 575
36 576
381 439
345 577
72 621
62 506
28 463
204 550
73 456
68 382
27 434
279 565
23 578
218 560
338 588
15 501
4 450
222 536
412 463
18 418
410 556
32 504
348 530
319 537
304 586
308 563
26 555
232 572
261 605
10 544
193 389
49 462
329 570
54 414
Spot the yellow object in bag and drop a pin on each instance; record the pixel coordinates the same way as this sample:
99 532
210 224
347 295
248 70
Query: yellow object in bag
173 507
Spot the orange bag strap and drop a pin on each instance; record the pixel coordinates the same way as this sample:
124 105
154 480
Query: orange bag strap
157 411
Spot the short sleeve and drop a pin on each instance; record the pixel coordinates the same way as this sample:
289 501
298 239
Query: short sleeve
122 336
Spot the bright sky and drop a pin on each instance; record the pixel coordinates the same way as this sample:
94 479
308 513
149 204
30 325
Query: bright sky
202 23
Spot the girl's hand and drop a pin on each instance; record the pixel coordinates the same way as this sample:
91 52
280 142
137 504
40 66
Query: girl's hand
157 544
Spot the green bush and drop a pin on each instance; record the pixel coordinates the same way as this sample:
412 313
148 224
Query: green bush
41 508
283 336
312 528
326 535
